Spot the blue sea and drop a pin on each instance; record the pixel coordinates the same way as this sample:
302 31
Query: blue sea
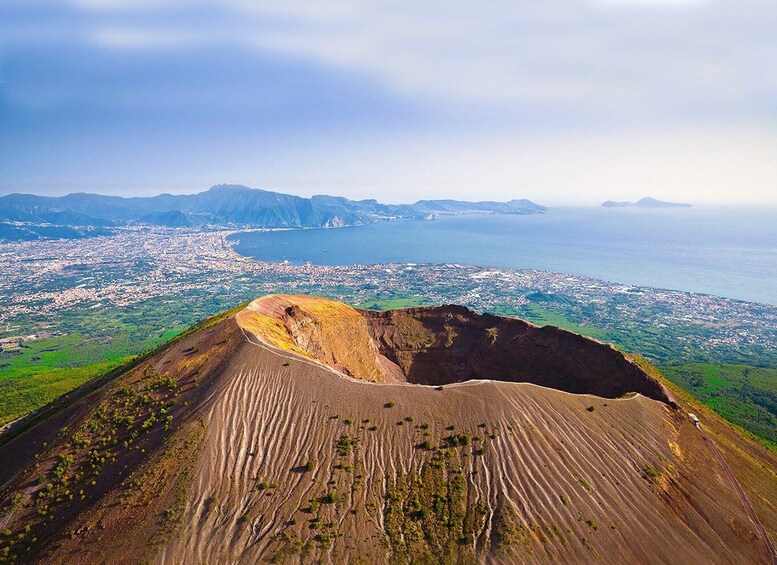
725 252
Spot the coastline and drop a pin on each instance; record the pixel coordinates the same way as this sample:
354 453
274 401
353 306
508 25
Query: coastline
696 265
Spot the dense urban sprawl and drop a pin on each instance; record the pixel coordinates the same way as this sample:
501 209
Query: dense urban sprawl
197 272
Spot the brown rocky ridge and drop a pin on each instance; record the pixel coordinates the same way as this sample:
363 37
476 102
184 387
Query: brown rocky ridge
299 429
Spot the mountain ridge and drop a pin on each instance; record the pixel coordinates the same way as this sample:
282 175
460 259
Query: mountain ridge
231 206
646 202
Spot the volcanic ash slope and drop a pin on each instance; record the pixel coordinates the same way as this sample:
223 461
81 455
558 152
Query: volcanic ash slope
300 429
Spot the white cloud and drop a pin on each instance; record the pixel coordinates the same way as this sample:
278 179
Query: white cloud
124 5
139 38
568 59
591 57
652 3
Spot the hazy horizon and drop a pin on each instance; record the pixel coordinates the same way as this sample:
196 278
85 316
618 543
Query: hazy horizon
547 202
566 101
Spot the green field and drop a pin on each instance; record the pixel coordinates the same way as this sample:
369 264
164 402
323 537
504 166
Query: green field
96 343
744 395
393 303
44 369
25 390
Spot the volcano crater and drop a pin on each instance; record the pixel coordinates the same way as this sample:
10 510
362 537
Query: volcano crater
444 345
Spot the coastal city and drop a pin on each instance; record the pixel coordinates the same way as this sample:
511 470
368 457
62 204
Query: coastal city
179 276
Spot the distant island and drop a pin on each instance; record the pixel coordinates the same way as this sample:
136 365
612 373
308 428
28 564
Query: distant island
26 217
646 202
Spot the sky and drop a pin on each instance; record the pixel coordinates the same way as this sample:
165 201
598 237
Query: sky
559 101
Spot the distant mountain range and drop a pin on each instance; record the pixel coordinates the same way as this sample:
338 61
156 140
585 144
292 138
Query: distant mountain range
22 215
646 202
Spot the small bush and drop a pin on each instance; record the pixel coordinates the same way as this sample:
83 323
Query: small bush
344 445
457 440
650 473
